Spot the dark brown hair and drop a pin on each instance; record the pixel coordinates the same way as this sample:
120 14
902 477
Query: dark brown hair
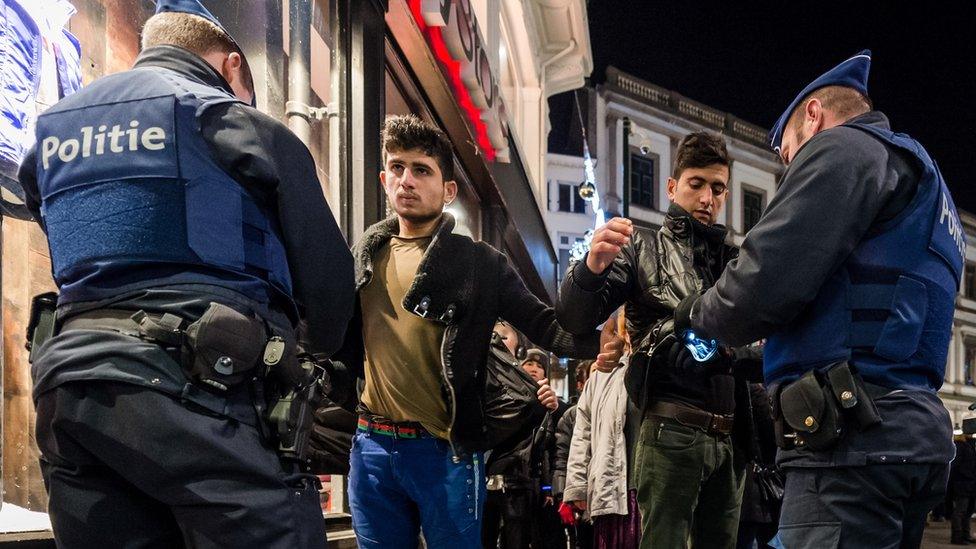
583 371
407 132
700 150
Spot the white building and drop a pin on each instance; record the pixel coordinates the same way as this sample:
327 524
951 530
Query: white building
659 118
959 390
543 49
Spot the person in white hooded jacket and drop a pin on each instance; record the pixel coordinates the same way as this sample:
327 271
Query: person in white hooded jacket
597 479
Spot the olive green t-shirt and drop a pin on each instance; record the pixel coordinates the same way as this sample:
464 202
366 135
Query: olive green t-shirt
403 363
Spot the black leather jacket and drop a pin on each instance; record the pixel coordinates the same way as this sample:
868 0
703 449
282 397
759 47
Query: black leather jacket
466 286
651 275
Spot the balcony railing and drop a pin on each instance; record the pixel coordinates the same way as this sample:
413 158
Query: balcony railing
674 102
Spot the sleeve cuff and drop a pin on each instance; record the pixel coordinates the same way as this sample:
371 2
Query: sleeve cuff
574 493
694 317
585 279
558 484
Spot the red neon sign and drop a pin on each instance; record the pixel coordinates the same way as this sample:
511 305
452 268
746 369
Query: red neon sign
452 69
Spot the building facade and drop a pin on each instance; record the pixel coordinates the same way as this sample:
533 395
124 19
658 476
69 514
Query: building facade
481 70
959 390
658 119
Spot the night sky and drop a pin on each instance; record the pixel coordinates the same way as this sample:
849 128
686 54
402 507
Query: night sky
752 59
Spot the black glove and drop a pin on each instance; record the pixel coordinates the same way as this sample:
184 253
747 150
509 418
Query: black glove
680 358
682 315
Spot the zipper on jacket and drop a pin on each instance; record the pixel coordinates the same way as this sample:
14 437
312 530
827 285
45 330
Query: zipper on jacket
448 336
477 484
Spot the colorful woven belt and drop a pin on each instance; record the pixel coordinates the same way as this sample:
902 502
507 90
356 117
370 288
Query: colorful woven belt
392 429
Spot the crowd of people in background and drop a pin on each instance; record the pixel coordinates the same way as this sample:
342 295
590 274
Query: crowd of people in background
960 501
571 482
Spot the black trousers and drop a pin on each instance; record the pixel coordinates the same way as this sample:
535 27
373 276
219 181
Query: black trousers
580 536
877 506
131 467
755 534
508 519
548 531
962 512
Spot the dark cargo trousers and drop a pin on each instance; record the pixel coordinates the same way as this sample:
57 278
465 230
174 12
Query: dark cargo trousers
870 506
687 487
962 515
127 466
508 514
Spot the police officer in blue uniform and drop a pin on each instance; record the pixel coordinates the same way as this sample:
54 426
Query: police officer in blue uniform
851 276
189 237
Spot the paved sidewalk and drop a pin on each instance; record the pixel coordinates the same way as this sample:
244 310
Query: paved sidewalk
937 536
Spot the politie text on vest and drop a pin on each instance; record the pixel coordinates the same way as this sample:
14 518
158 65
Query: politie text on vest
94 143
954 226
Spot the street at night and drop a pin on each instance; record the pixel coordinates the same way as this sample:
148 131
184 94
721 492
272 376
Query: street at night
545 274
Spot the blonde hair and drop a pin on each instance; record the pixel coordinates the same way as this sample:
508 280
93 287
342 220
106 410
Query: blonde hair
193 33
844 102
187 31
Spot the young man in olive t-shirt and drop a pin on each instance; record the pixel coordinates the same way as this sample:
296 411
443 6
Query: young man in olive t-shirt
428 300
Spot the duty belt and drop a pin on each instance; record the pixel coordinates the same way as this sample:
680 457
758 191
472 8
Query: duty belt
165 330
713 424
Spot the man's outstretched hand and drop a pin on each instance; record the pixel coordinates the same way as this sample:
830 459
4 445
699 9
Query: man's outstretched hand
607 242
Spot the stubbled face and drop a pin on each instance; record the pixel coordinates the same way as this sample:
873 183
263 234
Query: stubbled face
807 121
793 139
415 186
701 191
534 369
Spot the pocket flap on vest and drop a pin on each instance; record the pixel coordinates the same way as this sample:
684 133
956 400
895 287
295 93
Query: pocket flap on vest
903 329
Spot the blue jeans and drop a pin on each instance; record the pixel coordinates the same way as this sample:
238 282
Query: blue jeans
399 486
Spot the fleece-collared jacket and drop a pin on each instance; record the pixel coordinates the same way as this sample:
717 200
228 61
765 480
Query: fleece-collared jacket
465 286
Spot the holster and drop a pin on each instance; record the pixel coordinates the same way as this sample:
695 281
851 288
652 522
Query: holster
817 409
42 322
292 416
225 347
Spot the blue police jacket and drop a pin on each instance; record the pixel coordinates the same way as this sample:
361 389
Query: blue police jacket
132 198
888 308
21 47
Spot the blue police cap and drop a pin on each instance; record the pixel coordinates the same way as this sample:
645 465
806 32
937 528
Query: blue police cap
193 7
852 73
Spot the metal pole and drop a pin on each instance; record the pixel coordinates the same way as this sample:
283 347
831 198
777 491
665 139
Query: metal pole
299 62
625 202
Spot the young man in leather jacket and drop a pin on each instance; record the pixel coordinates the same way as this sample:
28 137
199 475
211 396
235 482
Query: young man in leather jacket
688 486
